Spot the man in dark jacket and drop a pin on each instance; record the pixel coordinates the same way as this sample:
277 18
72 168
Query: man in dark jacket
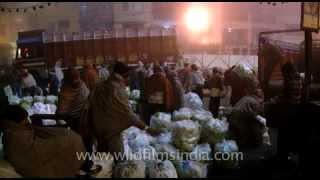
282 113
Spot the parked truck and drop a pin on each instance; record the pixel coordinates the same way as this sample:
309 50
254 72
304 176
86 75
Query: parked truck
274 53
40 49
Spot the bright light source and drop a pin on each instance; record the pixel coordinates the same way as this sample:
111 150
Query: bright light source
204 41
229 29
197 19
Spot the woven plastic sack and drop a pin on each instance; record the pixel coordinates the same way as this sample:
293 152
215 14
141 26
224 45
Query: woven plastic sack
40 99
202 153
191 169
14 100
134 140
135 94
130 169
162 169
192 101
164 138
107 166
51 99
40 108
27 100
167 152
214 131
161 121
201 116
186 134
230 147
182 114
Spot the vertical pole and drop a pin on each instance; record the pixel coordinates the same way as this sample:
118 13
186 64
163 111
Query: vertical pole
308 59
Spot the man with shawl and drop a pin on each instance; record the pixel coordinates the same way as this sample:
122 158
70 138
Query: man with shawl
177 89
72 96
108 113
245 125
185 77
215 85
44 152
90 76
158 93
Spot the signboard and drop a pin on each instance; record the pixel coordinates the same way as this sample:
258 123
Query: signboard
310 15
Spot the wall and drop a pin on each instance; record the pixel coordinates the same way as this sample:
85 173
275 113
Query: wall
49 17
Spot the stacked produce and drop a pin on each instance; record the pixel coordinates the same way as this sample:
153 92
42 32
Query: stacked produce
161 121
227 146
192 101
185 147
186 134
134 98
36 104
162 169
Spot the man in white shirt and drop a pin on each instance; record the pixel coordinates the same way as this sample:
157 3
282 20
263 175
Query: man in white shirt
59 72
28 83
103 72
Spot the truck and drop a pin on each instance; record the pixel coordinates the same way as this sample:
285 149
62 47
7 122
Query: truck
39 49
274 53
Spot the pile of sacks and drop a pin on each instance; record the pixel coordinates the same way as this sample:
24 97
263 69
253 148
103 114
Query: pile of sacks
134 97
37 105
184 149
27 101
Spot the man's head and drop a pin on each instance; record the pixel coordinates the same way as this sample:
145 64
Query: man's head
292 82
251 85
194 67
157 68
59 62
172 74
24 72
215 70
72 77
121 69
17 114
293 87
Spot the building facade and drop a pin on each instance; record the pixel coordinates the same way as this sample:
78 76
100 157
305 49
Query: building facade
132 14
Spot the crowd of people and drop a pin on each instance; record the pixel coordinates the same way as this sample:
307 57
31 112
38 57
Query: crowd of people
96 108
